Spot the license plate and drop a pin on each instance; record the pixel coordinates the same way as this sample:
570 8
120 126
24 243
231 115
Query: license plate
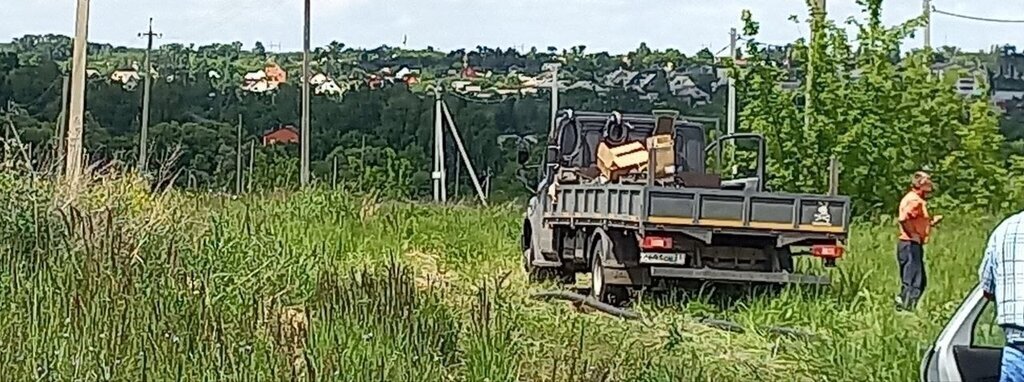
662 258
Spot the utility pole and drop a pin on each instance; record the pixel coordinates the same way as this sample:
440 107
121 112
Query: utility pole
304 164
440 194
554 96
62 123
817 16
75 155
731 126
252 156
465 155
146 88
238 158
927 24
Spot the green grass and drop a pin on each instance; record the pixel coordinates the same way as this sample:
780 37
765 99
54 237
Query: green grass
324 286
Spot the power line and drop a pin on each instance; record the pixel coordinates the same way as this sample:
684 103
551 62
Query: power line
976 18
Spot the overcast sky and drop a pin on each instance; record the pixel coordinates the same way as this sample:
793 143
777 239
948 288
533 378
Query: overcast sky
602 25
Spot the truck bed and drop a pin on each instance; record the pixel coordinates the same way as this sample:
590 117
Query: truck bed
793 217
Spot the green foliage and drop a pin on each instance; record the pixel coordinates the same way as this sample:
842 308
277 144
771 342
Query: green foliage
882 116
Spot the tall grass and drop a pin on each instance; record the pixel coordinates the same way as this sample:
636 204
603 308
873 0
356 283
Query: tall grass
125 285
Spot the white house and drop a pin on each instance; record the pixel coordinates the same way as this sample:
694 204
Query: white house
258 75
318 79
125 76
329 87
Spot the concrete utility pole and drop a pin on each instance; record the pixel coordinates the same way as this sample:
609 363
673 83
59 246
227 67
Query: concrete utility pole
78 60
817 15
731 126
146 88
304 162
927 24
440 191
465 155
62 123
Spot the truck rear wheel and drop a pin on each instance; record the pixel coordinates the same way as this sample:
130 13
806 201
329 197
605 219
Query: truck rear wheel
599 288
539 275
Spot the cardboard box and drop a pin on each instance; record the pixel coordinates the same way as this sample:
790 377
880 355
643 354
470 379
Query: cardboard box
619 160
664 150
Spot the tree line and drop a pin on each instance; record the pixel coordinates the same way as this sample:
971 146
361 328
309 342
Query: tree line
882 113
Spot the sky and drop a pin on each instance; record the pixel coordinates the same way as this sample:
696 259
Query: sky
615 26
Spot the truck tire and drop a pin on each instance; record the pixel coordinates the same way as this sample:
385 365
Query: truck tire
785 259
600 290
540 275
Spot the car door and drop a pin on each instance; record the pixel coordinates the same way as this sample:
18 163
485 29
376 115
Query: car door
958 355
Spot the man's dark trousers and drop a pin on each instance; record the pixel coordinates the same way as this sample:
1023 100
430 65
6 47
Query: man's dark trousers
911 259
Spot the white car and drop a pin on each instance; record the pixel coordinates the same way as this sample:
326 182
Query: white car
958 355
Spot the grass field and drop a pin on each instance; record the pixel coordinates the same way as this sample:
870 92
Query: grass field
323 286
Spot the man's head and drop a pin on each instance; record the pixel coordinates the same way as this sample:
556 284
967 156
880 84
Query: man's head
922 184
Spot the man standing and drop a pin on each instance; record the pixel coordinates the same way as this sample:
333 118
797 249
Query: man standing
1002 278
915 227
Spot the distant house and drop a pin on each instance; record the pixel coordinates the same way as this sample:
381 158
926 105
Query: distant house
275 73
968 82
283 134
318 79
329 87
468 72
587 85
684 86
125 76
641 83
267 79
375 82
620 77
460 85
407 75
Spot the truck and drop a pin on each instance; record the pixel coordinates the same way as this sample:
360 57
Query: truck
688 227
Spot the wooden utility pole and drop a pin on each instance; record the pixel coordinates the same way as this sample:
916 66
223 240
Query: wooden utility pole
78 60
238 158
146 88
252 156
304 165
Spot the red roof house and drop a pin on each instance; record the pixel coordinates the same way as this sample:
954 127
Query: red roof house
281 134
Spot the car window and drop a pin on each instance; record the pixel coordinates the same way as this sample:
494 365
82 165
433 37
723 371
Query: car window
986 332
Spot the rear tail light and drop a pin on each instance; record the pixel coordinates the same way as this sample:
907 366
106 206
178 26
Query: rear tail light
656 242
829 252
